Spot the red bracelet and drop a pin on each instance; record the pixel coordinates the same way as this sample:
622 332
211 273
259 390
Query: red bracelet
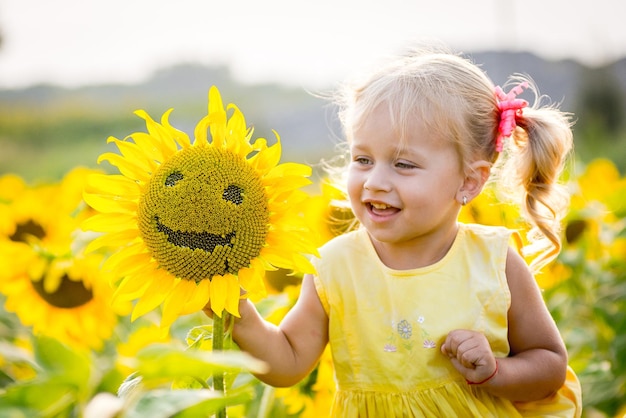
469 382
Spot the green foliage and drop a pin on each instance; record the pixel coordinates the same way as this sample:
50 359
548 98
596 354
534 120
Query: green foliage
163 367
63 382
67 380
589 305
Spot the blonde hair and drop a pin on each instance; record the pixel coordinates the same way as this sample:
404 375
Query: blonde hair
457 101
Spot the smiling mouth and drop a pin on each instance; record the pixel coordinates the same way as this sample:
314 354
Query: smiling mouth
381 209
379 206
195 240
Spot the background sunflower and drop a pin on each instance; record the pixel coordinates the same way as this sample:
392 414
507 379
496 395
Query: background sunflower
47 283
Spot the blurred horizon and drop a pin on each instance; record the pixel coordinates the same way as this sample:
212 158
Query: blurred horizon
47 129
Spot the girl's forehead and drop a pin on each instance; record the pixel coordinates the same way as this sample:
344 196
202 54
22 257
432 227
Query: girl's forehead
403 124
408 137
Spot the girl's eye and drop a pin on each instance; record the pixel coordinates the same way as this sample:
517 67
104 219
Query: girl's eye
361 160
401 164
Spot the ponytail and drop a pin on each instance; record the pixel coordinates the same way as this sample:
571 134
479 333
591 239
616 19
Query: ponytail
534 159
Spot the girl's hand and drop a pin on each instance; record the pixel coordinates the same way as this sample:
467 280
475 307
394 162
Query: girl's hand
470 353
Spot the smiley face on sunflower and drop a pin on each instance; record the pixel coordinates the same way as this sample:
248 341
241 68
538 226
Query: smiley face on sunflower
197 221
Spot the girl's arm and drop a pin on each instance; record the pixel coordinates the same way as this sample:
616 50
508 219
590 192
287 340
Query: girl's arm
537 363
291 349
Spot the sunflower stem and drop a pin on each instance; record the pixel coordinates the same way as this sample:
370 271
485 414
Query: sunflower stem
218 345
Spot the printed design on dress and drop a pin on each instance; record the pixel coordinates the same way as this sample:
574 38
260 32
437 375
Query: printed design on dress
404 335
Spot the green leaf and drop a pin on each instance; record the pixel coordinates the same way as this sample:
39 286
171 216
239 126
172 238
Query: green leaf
163 403
163 361
210 406
46 397
62 362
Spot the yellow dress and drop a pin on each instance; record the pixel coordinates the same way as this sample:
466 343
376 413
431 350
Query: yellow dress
386 328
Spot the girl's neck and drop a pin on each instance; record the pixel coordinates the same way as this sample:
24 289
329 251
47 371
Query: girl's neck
417 253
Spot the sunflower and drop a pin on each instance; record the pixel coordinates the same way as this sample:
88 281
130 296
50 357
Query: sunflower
195 222
48 284
77 311
328 213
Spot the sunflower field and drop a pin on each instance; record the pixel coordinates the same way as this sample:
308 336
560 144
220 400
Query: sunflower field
89 330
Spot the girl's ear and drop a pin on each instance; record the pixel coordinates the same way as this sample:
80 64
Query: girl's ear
475 178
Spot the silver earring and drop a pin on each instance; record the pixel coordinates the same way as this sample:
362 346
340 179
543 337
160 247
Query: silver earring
464 200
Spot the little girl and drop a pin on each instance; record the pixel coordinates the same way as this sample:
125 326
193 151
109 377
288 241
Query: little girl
426 316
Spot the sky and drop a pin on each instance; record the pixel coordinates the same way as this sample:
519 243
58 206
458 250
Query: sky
307 43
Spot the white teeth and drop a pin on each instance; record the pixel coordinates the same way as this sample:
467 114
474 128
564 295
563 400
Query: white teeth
379 206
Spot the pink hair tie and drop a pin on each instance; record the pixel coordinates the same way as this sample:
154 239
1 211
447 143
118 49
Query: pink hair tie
510 108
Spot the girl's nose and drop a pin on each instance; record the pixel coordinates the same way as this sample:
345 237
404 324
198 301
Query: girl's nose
377 179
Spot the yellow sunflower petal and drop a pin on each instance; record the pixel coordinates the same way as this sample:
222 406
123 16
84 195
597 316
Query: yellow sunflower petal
154 294
198 299
302 264
132 152
281 185
289 169
112 185
232 295
288 202
251 279
177 298
259 145
276 258
149 147
216 111
130 264
202 127
105 204
157 151
110 222
295 241
236 131
121 255
218 294
126 167
269 158
224 294
112 240
130 288
160 135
